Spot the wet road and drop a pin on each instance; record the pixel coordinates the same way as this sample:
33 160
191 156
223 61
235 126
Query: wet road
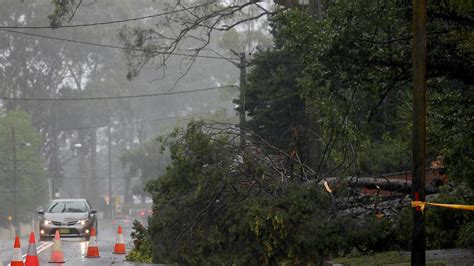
74 250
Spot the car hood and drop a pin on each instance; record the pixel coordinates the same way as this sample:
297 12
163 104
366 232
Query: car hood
66 217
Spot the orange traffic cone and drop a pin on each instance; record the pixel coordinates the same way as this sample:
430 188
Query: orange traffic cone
16 256
31 254
119 247
92 249
57 255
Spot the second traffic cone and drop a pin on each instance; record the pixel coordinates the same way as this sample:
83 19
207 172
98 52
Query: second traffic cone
31 253
119 247
92 249
17 260
57 255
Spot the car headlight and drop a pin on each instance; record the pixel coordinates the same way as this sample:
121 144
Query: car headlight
82 222
47 222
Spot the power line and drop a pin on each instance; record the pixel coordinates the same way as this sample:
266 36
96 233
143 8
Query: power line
114 46
116 97
106 22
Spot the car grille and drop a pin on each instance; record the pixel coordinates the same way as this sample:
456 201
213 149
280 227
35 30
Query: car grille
64 224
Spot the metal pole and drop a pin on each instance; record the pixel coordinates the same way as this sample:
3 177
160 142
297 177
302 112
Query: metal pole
243 83
92 190
15 209
419 130
55 185
110 169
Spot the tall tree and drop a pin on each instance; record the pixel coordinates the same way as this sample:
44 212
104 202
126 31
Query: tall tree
356 111
274 103
25 184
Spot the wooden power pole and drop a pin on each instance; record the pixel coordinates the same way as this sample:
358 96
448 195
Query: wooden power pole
419 130
243 83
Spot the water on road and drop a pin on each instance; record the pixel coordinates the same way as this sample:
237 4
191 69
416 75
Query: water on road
75 249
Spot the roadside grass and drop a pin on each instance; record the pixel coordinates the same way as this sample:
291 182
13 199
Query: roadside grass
385 258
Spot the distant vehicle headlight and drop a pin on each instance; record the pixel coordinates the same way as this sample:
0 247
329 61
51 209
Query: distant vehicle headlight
47 222
82 222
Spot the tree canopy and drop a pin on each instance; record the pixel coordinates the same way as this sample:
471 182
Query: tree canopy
31 185
353 80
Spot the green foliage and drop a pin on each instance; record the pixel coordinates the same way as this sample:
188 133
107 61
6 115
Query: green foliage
273 92
31 180
389 155
353 79
444 228
210 207
313 82
452 130
351 108
191 224
466 236
448 228
142 244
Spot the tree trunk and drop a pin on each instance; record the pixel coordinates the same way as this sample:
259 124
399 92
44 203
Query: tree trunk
393 185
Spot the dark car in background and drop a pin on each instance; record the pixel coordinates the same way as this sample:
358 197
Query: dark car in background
71 217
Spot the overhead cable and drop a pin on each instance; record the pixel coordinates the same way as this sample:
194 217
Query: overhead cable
115 46
106 22
116 97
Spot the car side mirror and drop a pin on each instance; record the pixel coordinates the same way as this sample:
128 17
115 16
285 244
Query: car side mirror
40 212
93 211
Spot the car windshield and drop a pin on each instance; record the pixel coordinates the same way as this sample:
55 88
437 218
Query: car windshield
67 206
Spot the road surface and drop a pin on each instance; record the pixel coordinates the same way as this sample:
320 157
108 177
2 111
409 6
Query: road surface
74 250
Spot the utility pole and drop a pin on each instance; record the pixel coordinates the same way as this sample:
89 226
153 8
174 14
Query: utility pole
82 175
243 83
54 183
109 140
93 194
15 207
418 256
242 65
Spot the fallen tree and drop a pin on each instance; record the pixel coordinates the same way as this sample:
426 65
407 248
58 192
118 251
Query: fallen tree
386 184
